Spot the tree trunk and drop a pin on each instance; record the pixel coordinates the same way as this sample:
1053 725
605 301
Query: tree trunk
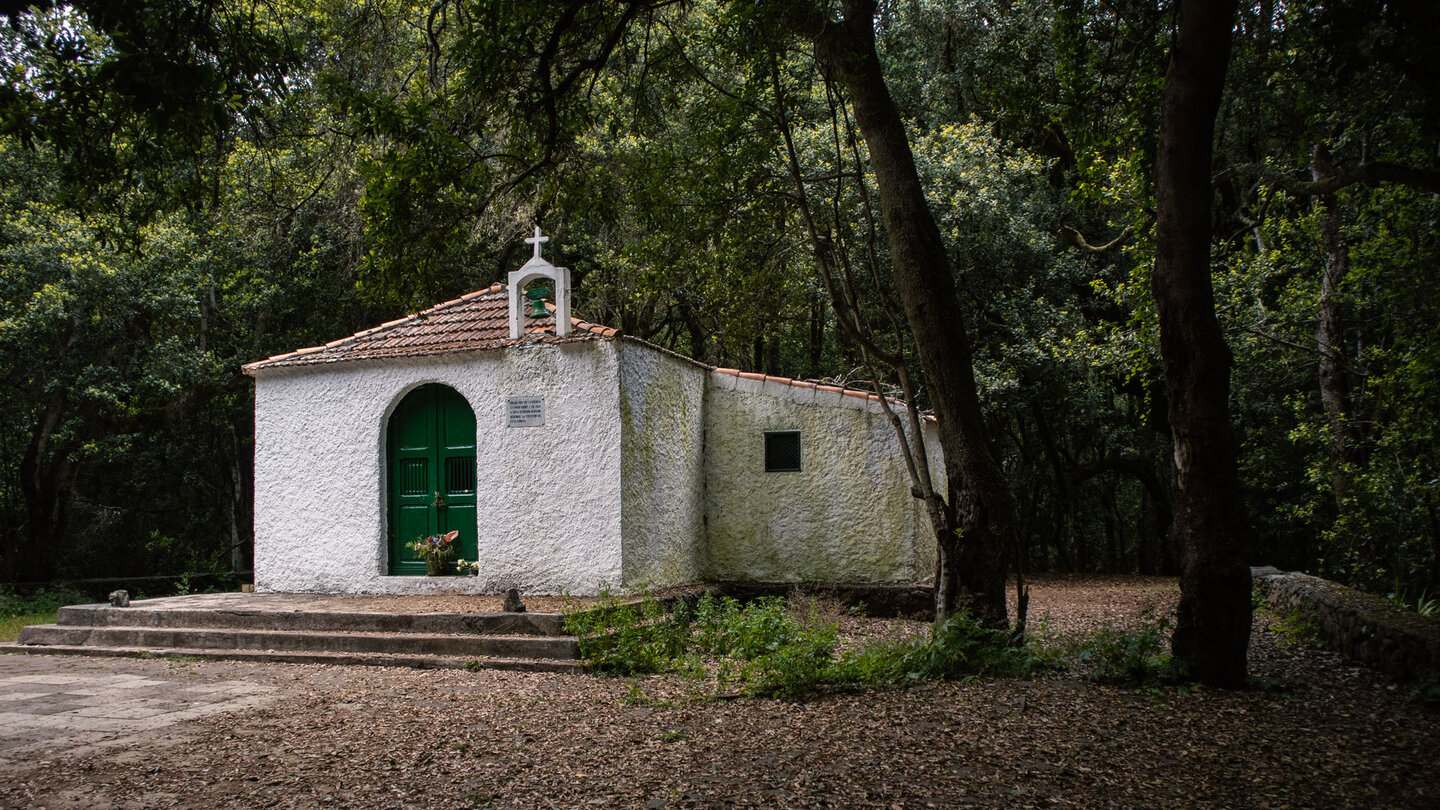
47 483
979 500
699 338
233 506
1212 633
817 333
1329 332
1065 534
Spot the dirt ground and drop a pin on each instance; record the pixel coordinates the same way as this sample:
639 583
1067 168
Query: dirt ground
1322 735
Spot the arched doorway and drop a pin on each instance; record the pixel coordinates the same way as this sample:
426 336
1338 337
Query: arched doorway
430 458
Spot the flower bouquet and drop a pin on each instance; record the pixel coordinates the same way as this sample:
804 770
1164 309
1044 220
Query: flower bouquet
435 550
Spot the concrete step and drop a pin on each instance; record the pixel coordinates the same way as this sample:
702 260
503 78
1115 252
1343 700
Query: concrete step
364 642
164 613
308 657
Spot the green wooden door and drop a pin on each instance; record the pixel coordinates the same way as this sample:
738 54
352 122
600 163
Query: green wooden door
431 459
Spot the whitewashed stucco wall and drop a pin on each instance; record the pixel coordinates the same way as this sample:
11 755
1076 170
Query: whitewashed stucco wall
662 401
846 516
549 500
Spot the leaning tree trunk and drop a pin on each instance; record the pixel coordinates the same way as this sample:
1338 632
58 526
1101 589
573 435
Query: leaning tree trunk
972 560
1212 633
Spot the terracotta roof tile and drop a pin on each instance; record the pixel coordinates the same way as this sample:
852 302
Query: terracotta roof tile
478 321
475 321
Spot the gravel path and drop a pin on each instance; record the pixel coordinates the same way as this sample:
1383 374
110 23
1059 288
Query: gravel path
1326 736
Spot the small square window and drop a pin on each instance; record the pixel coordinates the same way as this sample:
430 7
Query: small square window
782 451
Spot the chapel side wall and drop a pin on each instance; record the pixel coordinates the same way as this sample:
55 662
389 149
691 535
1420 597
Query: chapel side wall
662 400
847 516
548 498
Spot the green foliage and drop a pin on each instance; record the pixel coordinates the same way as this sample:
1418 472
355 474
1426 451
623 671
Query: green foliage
763 649
962 647
1131 657
181 181
10 626
17 612
796 667
630 638
1424 604
42 601
725 628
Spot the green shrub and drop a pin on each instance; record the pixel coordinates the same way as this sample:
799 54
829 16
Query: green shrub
760 648
637 638
874 664
724 627
961 648
1425 604
43 601
17 612
795 668
1136 656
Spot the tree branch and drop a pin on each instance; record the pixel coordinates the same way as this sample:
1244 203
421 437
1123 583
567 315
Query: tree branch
1368 174
1094 250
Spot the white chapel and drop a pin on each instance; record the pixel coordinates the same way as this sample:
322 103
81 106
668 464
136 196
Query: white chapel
568 457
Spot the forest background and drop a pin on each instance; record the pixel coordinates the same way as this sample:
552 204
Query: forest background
189 186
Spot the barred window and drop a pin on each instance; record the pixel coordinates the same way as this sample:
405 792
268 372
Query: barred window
782 451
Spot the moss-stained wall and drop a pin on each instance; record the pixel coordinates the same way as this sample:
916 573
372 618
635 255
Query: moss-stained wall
662 483
846 516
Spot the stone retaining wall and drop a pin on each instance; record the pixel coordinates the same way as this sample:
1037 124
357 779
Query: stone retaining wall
1362 627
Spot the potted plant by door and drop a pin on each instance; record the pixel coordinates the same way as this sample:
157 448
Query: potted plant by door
435 550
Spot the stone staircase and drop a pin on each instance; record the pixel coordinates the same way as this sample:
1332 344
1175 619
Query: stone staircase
292 628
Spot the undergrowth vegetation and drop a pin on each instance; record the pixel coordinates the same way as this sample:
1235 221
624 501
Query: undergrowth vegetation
770 648
41 608
1137 656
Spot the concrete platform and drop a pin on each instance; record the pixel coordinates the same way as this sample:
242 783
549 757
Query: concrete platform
293 628
324 612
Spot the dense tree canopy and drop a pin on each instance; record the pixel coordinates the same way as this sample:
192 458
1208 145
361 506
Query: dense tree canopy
183 182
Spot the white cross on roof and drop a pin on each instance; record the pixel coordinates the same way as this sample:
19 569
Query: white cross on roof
537 240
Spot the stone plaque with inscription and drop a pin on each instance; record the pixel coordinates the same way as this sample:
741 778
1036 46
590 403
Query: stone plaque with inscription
525 411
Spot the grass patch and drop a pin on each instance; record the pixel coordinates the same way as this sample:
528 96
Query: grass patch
10 626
